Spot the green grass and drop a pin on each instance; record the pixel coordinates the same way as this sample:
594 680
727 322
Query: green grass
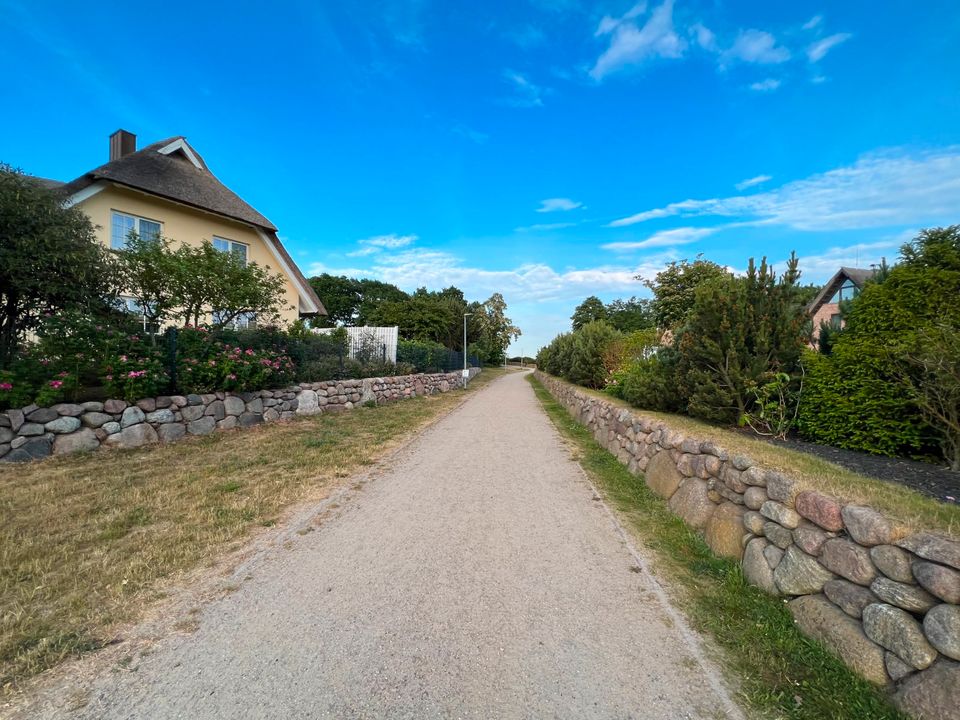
88 542
901 504
780 672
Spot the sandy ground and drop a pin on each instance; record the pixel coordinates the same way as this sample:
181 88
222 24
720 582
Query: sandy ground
478 576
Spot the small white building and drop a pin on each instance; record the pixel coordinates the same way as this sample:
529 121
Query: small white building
370 343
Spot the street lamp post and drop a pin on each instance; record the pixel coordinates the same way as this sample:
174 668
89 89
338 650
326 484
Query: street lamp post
465 316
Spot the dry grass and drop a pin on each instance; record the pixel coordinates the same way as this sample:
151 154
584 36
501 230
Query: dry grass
910 508
88 542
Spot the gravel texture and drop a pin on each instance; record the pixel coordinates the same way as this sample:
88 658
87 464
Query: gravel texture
477 576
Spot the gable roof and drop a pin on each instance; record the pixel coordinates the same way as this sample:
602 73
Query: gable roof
858 276
173 170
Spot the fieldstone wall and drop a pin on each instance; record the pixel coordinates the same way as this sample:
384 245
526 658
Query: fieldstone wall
883 598
33 433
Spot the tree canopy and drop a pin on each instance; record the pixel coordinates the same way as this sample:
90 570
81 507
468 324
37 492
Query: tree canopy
50 260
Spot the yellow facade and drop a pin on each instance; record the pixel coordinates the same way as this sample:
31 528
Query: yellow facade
183 224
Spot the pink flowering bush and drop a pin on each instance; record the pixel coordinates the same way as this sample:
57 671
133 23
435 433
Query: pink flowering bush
205 365
135 376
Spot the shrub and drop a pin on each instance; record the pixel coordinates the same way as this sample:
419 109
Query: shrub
137 375
739 335
648 383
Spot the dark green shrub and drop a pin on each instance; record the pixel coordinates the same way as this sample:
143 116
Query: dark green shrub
740 333
649 383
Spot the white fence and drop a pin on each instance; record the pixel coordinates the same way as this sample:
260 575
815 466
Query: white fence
370 343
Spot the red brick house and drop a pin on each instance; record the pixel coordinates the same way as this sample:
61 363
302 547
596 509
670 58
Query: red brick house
845 285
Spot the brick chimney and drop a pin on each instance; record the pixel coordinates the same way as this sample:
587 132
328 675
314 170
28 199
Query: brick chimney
122 143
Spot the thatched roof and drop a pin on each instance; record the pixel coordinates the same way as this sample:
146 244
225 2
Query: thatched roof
173 170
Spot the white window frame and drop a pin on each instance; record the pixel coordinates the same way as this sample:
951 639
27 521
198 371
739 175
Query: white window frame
240 322
231 244
136 226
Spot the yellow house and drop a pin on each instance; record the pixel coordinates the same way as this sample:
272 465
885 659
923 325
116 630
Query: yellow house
167 189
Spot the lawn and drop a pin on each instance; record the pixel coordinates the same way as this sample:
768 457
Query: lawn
899 503
780 673
88 542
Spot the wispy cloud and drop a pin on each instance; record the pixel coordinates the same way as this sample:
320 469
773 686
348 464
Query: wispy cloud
816 51
525 92
768 85
822 266
531 282
813 22
755 46
664 238
881 189
555 204
705 37
631 44
545 227
750 182
379 243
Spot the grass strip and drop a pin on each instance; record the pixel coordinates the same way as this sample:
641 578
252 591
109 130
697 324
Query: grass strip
780 672
88 542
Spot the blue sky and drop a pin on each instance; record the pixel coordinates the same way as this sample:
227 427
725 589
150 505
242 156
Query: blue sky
546 149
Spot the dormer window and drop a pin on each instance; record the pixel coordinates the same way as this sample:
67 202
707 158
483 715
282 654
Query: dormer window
121 225
238 249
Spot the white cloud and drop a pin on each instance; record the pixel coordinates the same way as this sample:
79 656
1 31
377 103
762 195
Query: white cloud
816 51
555 204
880 189
525 92
544 227
379 243
704 36
821 267
755 46
668 211
664 238
414 268
813 22
768 85
750 182
818 79
391 241
631 44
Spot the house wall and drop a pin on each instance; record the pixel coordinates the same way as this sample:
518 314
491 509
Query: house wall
186 225
826 311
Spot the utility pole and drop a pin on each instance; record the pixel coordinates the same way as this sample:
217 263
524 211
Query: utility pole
465 372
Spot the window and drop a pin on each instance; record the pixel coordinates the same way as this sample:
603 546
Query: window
121 225
230 246
847 291
240 322
133 306
836 321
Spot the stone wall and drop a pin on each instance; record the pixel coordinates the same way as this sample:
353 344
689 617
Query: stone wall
881 597
33 433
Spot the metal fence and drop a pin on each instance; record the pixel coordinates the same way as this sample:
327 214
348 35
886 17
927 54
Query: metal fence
432 360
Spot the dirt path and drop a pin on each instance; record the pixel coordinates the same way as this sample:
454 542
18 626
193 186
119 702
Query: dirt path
477 577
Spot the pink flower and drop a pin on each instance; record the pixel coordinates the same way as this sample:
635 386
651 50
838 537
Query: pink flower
249 351
56 384
6 386
109 377
123 358
231 376
63 374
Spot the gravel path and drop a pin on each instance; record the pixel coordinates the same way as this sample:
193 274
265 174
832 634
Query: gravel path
478 576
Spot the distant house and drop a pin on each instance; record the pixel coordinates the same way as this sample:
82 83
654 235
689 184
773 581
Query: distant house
844 285
167 189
